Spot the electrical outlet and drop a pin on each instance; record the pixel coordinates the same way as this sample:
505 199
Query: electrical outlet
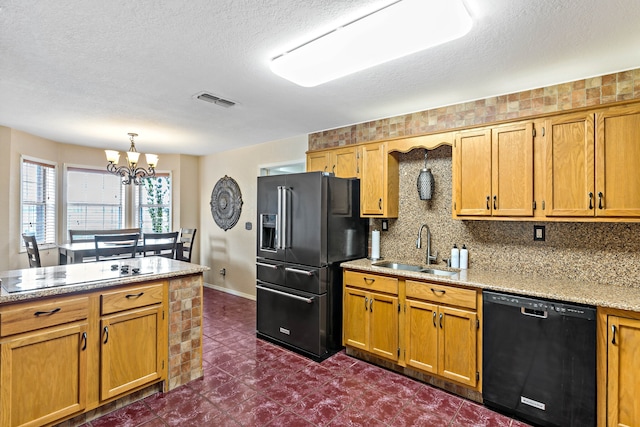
538 232
385 225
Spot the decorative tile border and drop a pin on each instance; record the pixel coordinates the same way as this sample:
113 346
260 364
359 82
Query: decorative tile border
590 92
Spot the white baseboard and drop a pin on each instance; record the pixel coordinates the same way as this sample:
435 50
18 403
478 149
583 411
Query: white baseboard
230 291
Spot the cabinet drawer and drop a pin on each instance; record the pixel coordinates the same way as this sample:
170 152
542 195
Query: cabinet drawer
30 317
441 294
126 299
371 282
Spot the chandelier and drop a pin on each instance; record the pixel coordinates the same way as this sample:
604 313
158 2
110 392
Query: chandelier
131 172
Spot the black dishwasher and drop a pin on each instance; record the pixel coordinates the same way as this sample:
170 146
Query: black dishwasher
539 359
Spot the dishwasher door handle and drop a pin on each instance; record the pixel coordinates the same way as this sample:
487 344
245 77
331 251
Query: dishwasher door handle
542 314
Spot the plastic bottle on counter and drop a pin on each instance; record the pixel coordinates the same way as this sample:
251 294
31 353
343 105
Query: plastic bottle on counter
464 257
455 257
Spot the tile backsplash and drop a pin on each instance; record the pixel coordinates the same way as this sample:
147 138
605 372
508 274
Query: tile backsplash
593 252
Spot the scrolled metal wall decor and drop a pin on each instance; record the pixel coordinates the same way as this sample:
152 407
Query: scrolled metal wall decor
226 203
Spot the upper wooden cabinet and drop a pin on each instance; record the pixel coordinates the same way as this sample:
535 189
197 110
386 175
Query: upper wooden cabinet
343 162
593 164
379 182
493 171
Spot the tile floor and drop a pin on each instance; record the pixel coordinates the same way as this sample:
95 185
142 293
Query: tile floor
249 382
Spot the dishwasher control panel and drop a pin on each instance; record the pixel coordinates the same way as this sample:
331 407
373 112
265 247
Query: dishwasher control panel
540 307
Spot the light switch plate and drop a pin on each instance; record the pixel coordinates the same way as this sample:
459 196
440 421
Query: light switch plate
538 232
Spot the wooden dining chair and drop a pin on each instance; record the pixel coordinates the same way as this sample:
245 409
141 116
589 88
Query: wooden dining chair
32 250
187 237
116 246
160 244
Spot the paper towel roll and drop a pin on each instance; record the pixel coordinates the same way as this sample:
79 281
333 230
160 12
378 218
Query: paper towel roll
375 244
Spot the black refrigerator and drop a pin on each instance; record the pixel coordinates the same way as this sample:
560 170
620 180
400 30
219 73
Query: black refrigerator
308 223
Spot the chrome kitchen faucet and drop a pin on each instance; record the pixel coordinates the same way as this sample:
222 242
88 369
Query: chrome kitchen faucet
430 258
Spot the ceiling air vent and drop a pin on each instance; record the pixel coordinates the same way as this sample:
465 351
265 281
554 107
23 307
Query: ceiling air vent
204 96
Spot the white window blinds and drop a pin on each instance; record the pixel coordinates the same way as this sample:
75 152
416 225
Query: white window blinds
38 214
95 200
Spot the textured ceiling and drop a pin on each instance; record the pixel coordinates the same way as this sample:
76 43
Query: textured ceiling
88 72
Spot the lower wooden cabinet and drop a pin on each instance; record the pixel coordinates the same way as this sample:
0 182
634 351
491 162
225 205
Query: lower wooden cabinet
370 315
619 376
44 376
56 352
436 328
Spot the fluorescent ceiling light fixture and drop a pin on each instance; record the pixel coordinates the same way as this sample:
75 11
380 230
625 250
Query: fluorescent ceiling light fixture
397 30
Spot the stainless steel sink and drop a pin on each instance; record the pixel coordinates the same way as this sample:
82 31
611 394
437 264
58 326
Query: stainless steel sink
399 266
411 267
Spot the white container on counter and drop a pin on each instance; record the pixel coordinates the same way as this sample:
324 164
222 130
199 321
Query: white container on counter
464 257
455 256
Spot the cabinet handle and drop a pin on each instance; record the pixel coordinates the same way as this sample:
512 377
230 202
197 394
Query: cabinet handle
46 313
600 196
613 334
369 281
333 169
495 199
371 305
590 200
106 335
440 320
130 296
438 291
366 300
434 319
380 203
325 169
488 198
84 341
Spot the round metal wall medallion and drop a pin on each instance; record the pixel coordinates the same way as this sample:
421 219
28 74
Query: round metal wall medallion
226 203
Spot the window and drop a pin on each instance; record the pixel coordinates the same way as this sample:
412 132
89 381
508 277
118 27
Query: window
283 168
95 200
153 204
38 215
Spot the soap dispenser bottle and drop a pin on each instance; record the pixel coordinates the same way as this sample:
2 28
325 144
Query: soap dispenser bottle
455 257
464 257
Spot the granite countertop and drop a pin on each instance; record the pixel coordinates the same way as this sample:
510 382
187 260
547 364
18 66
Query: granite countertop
18 285
610 296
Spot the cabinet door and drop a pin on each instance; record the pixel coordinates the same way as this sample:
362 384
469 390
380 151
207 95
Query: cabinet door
356 319
383 335
318 161
131 354
421 336
623 377
472 173
345 162
44 376
457 345
372 179
570 166
618 162
512 170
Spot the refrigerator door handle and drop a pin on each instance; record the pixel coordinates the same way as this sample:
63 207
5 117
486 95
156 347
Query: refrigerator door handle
296 297
264 264
282 230
299 271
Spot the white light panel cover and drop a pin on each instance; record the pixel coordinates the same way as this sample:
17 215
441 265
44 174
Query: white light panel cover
400 29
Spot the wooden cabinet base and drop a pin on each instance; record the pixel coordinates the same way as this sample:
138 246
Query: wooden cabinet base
451 387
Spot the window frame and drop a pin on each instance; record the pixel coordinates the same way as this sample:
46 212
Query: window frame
47 163
137 205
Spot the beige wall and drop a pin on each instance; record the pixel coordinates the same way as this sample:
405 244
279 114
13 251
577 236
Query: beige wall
235 249
14 143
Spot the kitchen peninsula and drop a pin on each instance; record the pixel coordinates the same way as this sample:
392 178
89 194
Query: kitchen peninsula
77 337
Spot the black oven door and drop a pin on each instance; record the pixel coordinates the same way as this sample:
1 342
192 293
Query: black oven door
292 318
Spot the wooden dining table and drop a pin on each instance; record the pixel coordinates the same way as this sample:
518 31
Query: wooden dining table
74 253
